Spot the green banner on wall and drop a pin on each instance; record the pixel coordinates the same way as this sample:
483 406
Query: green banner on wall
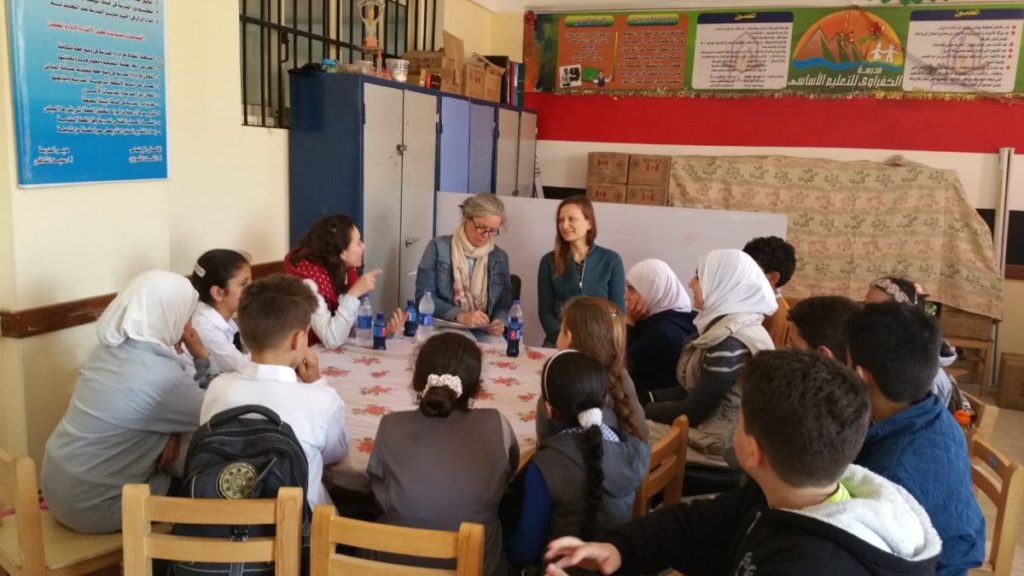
931 51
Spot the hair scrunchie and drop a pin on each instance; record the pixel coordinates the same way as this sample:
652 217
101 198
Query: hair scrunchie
450 381
590 417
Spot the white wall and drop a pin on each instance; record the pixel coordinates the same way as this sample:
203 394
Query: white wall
227 188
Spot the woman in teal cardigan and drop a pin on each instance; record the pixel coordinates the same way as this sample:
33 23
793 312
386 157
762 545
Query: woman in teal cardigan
576 267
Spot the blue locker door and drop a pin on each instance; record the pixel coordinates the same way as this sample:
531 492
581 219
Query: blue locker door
454 151
481 148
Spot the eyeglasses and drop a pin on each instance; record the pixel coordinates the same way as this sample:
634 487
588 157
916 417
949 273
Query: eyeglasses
485 231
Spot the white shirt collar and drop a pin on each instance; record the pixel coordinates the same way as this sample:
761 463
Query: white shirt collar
274 372
228 327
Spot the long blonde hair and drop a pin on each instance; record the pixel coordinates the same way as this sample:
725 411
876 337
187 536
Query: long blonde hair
598 330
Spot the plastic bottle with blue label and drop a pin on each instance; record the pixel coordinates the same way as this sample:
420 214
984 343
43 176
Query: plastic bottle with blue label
364 323
411 318
380 332
515 329
426 329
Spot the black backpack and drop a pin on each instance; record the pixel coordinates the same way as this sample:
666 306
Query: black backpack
234 457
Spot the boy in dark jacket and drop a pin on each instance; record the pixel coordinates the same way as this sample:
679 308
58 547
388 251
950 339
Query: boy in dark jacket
808 511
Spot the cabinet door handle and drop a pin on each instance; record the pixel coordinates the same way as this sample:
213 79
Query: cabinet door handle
410 241
402 148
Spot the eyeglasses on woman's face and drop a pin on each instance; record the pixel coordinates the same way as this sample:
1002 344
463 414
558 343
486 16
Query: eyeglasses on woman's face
484 230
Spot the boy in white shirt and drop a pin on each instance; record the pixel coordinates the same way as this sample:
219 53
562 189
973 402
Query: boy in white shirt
284 375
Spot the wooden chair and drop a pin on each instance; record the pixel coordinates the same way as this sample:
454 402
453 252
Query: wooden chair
466 546
977 405
1003 482
666 469
33 542
142 544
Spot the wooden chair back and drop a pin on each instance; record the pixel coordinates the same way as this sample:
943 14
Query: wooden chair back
465 546
1002 481
667 468
32 542
140 511
978 406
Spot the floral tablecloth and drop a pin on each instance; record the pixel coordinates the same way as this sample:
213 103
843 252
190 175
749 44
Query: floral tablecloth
376 382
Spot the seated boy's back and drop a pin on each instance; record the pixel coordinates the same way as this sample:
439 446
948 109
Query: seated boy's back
284 375
914 440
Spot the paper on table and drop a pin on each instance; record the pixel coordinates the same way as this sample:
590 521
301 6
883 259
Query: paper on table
440 323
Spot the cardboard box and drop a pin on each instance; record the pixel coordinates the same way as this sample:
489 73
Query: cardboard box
599 192
960 324
1011 382
649 195
474 84
483 79
607 168
448 62
649 170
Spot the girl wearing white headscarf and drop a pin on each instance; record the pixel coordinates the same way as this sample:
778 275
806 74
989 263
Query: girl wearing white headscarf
733 297
132 399
660 320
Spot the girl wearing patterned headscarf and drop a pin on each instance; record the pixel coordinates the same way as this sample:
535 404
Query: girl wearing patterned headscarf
660 319
133 398
733 297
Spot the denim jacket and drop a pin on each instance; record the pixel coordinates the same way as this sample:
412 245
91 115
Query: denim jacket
435 275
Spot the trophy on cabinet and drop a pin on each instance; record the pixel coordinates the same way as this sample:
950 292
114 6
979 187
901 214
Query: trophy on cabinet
370 12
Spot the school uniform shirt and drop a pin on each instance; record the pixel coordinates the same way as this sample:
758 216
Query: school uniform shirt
128 401
335 315
218 335
436 473
314 411
879 530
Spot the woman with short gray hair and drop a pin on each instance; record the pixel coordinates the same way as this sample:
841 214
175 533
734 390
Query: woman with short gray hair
466 274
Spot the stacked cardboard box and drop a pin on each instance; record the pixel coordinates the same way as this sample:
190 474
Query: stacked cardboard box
648 180
447 62
483 79
607 173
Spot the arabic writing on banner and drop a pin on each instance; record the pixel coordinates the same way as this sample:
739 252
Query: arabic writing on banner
816 51
89 90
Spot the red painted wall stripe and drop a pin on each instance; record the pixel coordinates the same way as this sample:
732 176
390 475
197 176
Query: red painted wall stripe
980 125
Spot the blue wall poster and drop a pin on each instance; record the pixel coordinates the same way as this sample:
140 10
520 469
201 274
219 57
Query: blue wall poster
89 90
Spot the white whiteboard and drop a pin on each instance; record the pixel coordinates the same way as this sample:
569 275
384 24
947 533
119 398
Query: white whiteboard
676 235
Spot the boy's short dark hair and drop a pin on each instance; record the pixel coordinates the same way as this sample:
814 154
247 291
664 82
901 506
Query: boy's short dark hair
808 413
821 321
899 345
273 308
773 254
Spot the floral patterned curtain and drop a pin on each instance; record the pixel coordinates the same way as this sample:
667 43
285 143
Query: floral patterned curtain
851 222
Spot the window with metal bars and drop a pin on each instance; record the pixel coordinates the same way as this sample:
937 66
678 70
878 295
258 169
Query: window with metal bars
281 35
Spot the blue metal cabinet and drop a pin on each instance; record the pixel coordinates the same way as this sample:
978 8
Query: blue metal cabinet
366 148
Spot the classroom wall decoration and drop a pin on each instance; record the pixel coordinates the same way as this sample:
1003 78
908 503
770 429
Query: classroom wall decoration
89 90
942 51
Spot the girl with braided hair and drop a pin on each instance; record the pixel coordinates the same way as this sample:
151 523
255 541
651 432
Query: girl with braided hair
597 328
582 480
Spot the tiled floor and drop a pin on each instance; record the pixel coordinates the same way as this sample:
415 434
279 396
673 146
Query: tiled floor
1006 432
